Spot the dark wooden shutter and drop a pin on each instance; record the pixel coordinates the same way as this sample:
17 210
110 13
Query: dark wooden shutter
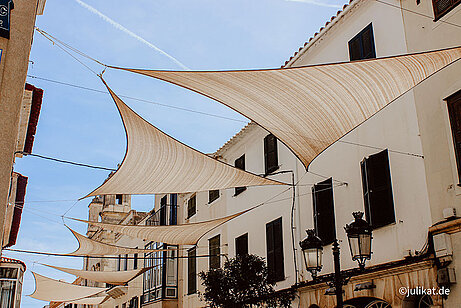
274 242
213 195
241 245
191 271
270 154
191 206
240 164
173 209
119 199
135 261
362 46
163 207
442 7
214 251
379 201
324 212
454 110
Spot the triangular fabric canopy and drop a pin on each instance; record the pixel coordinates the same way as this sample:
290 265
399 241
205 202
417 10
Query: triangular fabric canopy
309 108
89 300
115 278
185 234
89 247
50 290
156 163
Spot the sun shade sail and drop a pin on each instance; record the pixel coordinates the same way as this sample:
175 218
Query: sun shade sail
157 163
185 234
89 300
89 247
115 278
50 290
309 108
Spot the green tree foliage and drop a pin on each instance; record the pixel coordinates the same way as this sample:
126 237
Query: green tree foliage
244 281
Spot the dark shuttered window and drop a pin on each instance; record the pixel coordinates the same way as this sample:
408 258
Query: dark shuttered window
377 190
324 212
191 206
240 163
271 162
173 209
213 195
454 110
191 271
135 261
163 211
362 46
241 245
274 243
214 251
442 7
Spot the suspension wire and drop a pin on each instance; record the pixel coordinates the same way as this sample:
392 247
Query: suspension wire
66 161
417 13
105 257
139 99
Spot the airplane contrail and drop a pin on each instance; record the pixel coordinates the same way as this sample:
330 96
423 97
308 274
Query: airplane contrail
130 33
319 3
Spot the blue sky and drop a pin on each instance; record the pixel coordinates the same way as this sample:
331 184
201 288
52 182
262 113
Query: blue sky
84 126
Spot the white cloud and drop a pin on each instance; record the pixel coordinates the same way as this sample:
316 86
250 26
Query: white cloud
316 2
130 33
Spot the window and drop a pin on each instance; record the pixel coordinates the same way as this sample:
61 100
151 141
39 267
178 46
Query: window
191 206
161 279
119 262
213 195
125 263
240 164
274 242
442 7
191 271
241 245
214 251
377 190
324 212
173 209
135 261
162 211
454 111
362 46
119 199
271 162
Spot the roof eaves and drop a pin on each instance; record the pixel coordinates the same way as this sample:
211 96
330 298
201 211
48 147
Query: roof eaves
232 140
320 33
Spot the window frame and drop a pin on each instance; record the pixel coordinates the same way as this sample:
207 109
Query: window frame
213 195
240 164
192 274
438 15
191 209
214 249
239 241
453 100
321 192
270 141
371 189
359 37
275 253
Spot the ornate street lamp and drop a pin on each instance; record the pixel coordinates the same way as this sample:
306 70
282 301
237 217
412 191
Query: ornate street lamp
312 252
359 235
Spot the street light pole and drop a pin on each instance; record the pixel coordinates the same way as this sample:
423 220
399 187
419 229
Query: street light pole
338 283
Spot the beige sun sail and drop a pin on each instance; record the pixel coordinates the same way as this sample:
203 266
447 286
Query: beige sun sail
51 290
309 108
90 247
185 234
157 163
115 278
89 300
